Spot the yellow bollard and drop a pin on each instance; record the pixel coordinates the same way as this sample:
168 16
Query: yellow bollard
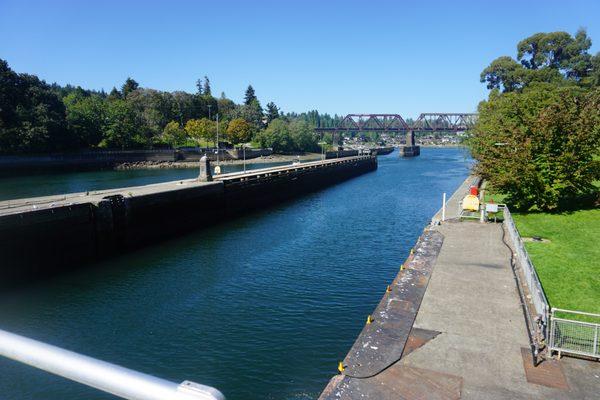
388 289
402 267
341 367
369 319
412 251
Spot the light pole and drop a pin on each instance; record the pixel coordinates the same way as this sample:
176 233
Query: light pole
322 143
244 145
218 147
209 106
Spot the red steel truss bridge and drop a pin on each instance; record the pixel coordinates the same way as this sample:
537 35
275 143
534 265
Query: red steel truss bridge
432 122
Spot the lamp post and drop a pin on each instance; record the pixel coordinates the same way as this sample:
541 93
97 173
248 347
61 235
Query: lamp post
244 146
209 106
322 143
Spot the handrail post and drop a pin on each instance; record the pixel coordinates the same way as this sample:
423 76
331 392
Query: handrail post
444 207
110 378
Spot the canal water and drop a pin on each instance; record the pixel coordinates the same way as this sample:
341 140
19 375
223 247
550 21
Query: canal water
18 187
261 307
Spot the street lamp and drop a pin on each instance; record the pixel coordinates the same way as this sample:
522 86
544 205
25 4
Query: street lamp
322 143
218 147
244 147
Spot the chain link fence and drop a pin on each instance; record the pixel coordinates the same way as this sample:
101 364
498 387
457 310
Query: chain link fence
563 331
538 298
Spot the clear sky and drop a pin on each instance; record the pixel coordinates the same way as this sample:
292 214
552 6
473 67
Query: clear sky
334 56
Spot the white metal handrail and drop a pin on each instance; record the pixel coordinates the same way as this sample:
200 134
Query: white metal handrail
110 378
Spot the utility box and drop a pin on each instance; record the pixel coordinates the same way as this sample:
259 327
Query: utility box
491 208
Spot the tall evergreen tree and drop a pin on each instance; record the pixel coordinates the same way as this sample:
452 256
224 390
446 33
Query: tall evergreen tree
114 94
250 96
272 112
199 86
129 86
206 87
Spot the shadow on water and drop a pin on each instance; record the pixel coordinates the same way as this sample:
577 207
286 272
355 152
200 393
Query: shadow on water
261 307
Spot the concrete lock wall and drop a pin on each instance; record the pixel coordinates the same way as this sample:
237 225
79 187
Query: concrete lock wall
81 160
250 153
340 154
39 242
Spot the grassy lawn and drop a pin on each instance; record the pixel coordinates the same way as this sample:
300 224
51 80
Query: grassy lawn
569 264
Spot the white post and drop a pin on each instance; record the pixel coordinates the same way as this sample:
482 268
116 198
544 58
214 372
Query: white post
244 157
444 207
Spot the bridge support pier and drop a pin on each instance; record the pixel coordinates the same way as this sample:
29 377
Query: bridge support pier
410 149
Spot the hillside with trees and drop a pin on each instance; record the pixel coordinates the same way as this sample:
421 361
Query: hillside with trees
37 117
537 139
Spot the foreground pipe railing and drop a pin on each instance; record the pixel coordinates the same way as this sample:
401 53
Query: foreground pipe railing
110 378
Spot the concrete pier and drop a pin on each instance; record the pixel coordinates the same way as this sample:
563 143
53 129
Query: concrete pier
410 149
42 235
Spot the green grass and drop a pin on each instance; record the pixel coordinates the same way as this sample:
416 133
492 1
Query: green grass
569 264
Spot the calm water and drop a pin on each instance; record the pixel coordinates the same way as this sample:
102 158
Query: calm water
261 307
49 184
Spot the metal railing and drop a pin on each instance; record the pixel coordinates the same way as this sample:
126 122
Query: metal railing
572 336
538 298
101 375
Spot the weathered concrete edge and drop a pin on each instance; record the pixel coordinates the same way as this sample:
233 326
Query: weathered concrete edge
394 317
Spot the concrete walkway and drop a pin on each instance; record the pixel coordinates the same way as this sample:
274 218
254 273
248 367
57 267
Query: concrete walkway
469 337
473 300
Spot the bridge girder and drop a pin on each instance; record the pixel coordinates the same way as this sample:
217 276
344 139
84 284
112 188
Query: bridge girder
447 122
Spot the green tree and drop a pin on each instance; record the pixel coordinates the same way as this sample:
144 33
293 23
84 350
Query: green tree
272 112
554 57
32 116
183 106
199 129
276 136
153 110
86 118
114 94
303 136
123 130
239 131
250 96
226 107
206 88
538 146
129 86
173 134
594 77
252 113
504 73
557 50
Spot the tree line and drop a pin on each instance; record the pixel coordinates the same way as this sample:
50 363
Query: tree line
537 138
37 117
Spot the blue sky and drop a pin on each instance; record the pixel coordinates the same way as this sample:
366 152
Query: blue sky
334 56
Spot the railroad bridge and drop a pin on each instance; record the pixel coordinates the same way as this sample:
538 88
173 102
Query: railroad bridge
394 123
